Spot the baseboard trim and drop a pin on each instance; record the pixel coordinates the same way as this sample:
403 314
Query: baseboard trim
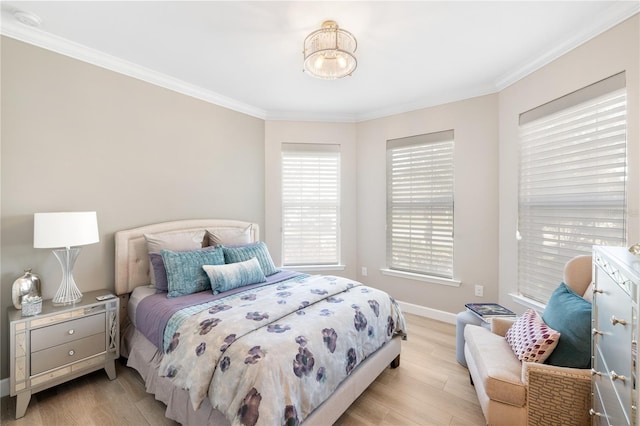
4 387
423 311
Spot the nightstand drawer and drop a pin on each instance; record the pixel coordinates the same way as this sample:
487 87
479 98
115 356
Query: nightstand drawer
68 331
69 352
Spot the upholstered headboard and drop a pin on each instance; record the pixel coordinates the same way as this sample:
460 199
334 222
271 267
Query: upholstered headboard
132 259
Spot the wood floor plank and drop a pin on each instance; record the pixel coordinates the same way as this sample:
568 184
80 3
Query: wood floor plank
153 411
429 388
367 411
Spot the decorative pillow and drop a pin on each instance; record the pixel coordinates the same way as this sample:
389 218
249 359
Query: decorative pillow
159 272
189 240
531 339
184 269
229 236
258 250
570 314
233 275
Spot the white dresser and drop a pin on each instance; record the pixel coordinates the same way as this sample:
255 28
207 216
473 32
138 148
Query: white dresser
616 275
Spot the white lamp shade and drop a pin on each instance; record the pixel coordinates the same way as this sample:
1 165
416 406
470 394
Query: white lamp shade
64 229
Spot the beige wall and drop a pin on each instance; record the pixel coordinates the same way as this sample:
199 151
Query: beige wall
343 134
611 52
475 126
79 137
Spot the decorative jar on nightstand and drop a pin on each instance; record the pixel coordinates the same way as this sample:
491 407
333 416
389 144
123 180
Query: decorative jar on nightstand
26 285
61 343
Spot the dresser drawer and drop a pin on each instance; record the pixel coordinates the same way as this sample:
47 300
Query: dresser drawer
615 395
57 356
615 340
608 405
599 419
68 331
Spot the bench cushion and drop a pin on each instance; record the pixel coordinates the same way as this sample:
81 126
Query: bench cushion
498 368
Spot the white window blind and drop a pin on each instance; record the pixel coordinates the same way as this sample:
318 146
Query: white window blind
572 182
310 204
420 204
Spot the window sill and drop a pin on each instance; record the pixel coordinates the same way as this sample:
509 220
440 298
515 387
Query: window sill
526 302
419 277
308 268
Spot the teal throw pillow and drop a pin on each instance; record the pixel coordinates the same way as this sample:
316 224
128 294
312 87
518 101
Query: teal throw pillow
258 250
233 275
569 314
184 269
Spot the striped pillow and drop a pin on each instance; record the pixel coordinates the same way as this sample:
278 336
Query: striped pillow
184 269
258 250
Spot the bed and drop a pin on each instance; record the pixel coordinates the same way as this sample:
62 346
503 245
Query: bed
287 333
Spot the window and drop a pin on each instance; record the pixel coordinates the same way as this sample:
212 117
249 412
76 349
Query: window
572 182
420 204
310 204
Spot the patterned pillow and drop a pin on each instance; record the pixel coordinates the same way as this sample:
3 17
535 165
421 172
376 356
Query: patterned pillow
258 250
233 275
184 269
531 339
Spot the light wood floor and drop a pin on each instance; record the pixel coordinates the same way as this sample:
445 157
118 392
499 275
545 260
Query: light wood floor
429 388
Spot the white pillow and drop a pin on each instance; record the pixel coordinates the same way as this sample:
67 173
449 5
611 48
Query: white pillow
229 236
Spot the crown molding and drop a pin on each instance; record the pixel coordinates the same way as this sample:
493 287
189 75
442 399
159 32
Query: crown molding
433 100
83 53
310 116
617 13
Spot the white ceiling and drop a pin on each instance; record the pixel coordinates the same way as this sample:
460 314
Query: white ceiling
247 56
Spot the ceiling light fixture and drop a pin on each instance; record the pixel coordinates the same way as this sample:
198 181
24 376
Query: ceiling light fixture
328 52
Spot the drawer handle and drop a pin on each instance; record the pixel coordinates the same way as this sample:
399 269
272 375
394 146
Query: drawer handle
593 412
598 290
596 332
595 373
615 376
615 321
70 332
72 352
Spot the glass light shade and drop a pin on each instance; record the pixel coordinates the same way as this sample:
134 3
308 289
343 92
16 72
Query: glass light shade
65 229
329 52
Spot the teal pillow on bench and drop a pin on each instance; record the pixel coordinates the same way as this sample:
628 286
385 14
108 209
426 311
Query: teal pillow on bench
569 314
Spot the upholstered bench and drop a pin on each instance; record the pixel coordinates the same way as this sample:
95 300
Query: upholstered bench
463 319
512 392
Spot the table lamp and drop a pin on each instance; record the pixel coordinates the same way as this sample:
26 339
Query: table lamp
68 230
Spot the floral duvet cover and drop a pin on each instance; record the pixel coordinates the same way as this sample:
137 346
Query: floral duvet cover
271 355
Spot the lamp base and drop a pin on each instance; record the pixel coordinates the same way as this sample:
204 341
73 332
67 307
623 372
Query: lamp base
68 293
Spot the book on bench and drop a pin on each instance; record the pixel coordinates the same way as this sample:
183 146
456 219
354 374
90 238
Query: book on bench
487 311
